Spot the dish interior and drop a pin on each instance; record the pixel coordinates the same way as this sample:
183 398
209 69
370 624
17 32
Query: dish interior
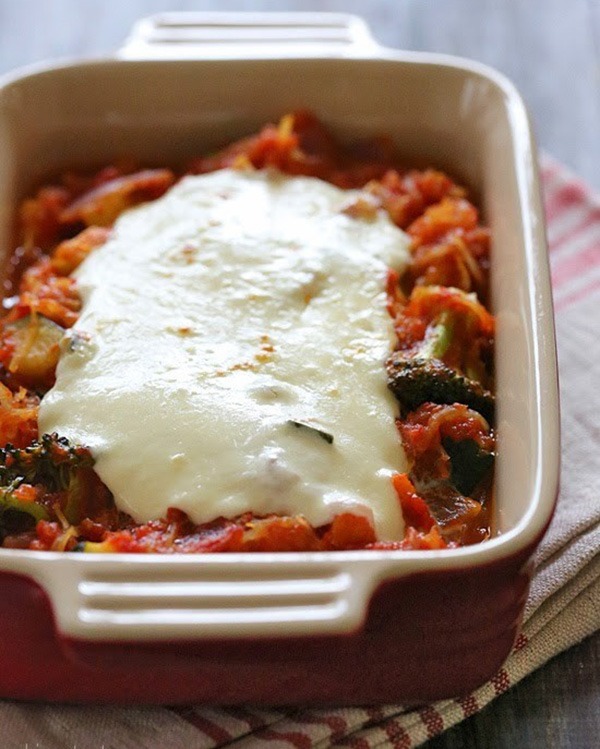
438 115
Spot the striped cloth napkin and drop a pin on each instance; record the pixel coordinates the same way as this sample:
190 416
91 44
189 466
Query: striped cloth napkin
563 607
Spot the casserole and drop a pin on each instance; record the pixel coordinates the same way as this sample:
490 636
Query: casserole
289 311
241 629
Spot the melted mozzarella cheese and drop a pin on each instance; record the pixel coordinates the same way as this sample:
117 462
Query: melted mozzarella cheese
229 329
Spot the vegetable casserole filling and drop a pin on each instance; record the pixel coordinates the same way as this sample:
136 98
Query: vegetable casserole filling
283 347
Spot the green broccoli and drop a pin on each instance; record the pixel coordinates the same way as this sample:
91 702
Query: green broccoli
51 462
470 463
420 376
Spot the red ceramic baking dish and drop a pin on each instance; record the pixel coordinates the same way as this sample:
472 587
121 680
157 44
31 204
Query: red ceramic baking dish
335 627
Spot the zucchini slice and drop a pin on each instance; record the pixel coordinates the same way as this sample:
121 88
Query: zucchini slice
36 348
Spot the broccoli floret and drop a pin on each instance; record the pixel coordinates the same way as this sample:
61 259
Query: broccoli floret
420 375
415 380
470 463
51 461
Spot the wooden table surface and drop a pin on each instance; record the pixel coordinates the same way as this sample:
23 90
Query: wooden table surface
551 50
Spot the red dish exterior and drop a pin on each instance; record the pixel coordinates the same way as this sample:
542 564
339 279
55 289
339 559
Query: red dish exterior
417 645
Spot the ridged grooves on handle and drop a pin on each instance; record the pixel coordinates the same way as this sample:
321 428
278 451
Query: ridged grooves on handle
233 35
187 598
212 602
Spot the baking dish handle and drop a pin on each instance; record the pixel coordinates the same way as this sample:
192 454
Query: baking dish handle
155 598
189 35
